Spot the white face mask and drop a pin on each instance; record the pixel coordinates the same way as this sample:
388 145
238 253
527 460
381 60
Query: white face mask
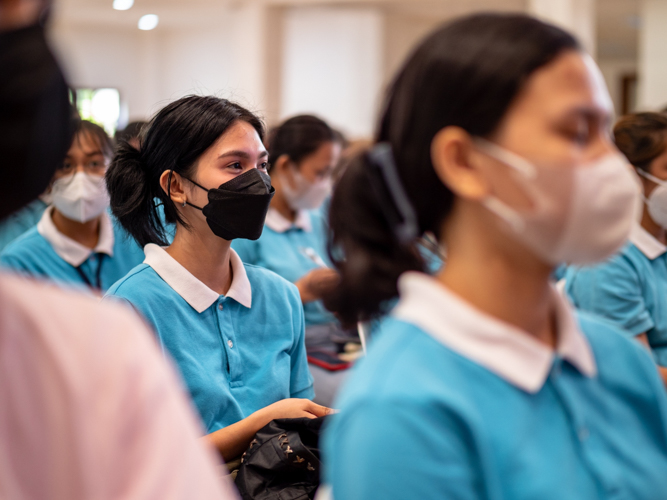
579 215
80 197
306 195
656 203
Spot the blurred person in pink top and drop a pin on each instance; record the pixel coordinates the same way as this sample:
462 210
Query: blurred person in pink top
88 407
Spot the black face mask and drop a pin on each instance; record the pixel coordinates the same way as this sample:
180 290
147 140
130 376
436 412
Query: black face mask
237 209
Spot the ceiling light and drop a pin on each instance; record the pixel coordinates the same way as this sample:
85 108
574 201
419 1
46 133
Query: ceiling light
123 4
148 22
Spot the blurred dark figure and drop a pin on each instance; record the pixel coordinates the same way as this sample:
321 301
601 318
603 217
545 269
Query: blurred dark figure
131 133
34 105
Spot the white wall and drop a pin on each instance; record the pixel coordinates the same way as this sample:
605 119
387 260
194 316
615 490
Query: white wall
613 71
332 66
652 62
576 16
152 68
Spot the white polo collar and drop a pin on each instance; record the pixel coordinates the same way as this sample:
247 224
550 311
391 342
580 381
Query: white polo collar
278 223
193 291
646 243
498 346
71 251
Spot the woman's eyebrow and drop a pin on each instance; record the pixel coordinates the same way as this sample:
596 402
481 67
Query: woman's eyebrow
587 112
242 154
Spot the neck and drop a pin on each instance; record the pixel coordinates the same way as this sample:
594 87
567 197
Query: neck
279 203
652 228
205 256
508 283
84 233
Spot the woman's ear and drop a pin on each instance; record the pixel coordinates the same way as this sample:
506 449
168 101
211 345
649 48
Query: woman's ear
177 188
454 159
281 164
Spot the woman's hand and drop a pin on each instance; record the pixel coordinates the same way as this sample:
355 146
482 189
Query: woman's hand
316 283
233 440
294 408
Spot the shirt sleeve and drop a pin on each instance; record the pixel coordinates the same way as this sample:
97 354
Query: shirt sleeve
396 450
15 225
301 381
15 263
612 290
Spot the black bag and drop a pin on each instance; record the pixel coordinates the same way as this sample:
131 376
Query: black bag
282 462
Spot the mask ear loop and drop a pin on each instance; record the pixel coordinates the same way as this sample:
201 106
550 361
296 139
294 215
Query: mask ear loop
652 178
185 202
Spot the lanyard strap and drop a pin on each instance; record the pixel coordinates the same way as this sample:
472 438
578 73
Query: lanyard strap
98 283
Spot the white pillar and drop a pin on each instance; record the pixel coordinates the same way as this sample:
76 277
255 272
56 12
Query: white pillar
576 16
149 80
332 65
250 54
652 60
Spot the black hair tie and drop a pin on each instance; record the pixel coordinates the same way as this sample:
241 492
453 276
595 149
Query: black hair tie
399 212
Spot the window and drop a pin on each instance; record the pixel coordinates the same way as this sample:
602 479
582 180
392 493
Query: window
101 106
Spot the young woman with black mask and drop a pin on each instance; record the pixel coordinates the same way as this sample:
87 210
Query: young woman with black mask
484 383
235 331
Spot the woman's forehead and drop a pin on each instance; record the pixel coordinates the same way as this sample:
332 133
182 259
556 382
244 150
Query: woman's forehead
87 143
571 81
241 135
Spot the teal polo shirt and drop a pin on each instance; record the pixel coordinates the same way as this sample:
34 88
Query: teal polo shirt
237 353
629 289
44 252
291 250
20 222
451 403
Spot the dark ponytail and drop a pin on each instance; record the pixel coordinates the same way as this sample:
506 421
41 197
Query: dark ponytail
466 74
174 140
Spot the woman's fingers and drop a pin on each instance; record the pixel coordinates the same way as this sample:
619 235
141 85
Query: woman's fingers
317 410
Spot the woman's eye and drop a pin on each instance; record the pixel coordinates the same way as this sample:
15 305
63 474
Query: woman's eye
579 133
236 166
581 137
264 166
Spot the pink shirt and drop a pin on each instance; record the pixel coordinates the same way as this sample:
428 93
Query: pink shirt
89 409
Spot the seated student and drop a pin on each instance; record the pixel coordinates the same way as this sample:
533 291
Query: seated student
631 287
76 242
485 383
236 331
302 154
